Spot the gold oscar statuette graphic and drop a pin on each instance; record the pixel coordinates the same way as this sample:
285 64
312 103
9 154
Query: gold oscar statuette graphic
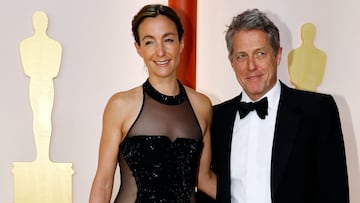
306 64
41 181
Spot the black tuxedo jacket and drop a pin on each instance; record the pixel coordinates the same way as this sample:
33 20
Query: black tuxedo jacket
308 158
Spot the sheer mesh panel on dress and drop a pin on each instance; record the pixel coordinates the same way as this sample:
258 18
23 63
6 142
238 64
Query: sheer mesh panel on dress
159 157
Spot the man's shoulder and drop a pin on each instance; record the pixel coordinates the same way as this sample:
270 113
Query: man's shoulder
226 108
302 93
302 97
227 103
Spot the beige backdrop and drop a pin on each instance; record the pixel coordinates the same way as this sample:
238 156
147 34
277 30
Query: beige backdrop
99 59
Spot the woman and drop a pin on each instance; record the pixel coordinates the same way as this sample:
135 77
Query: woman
159 131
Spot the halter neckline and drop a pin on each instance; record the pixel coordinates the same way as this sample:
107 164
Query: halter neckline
162 98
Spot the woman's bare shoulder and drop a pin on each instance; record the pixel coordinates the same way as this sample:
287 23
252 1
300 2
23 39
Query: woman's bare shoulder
127 97
198 98
123 108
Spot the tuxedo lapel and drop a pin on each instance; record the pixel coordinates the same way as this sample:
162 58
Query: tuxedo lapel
222 130
284 135
228 127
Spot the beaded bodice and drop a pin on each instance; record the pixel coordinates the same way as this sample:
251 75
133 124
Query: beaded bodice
159 156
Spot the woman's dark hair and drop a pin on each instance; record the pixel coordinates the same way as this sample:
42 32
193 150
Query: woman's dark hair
153 10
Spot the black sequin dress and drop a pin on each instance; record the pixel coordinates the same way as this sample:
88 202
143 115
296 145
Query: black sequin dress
159 156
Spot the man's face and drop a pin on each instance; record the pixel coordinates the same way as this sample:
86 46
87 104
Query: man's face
254 62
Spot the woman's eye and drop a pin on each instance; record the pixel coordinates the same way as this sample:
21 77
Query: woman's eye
169 40
147 43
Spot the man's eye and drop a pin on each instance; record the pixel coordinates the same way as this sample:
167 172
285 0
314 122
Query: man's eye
260 53
240 57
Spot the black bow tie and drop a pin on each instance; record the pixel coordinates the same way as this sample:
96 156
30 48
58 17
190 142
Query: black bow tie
261 108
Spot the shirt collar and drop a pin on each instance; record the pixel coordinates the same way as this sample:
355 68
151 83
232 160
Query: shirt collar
273 95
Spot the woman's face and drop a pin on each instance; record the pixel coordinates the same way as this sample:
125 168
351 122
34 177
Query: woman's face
159 46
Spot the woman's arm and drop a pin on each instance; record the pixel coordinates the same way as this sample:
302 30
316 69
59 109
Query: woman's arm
108 151
206 177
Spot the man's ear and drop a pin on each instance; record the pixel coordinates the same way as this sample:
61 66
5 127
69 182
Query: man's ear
278 56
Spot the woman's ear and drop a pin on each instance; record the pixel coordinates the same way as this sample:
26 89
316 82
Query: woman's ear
182 44
138 48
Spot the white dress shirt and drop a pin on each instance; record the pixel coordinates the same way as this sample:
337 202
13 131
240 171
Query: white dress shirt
251 149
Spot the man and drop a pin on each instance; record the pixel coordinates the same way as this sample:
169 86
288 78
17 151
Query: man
290 149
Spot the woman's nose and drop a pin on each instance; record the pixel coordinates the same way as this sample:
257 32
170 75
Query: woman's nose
160 50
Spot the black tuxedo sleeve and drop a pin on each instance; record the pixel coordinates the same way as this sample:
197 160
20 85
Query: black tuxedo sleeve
331 166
